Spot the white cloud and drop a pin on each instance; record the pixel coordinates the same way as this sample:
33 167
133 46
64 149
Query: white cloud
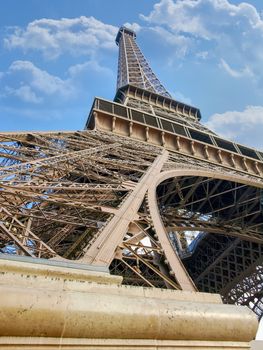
40 80
235 73
89 66
134 26
180 42
202 54
244 127
25 93
33 85
233 32
178 16
81 35
204 18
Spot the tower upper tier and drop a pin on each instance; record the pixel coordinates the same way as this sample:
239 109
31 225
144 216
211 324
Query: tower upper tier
133 68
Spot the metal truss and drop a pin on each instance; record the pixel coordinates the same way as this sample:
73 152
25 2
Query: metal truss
133 67
61 192
249 291
63 187
140 258
216 227
232 267
214 206
65 195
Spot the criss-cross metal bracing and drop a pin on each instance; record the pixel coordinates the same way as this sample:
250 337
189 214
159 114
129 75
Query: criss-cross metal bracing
217 228
59 189
145 190
60 192
133 67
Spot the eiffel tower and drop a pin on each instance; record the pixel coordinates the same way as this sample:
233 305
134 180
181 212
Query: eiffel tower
145 190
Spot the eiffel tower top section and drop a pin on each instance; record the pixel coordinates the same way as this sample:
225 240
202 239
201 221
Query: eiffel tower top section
139 88
143 110
133 67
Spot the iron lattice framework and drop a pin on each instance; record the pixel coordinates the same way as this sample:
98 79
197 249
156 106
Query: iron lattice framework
145 190
133 67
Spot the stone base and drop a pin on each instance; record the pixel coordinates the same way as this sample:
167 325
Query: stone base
55 305
27 343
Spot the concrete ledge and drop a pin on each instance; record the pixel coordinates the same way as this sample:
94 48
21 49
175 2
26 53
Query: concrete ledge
58 303
56 262
41 343
44 270
57 276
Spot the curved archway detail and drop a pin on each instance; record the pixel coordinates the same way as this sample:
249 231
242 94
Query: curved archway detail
172 257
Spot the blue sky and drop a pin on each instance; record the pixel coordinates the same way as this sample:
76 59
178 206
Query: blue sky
56 55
